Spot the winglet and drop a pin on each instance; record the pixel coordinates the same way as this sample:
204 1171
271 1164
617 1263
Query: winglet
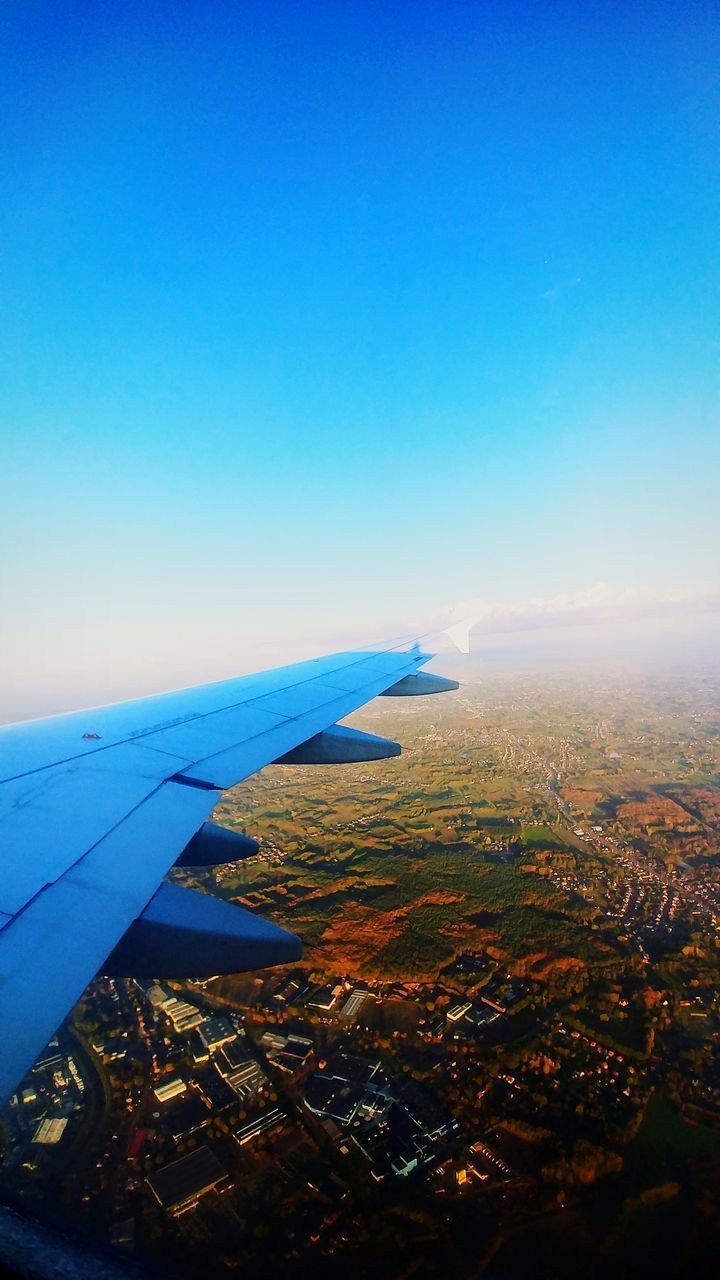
459 633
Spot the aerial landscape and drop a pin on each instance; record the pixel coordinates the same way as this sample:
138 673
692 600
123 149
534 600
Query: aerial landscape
502 1038
351 353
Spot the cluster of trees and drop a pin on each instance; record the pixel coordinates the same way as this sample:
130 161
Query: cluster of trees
584 1165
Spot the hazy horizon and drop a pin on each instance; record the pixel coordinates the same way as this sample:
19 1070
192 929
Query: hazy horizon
677 643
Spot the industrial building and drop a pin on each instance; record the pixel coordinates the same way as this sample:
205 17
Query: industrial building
50 1131
268 1120
397 1125
170 1089
178 1186
215 1032
325 999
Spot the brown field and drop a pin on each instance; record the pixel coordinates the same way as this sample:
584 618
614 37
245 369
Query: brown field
704 802
350 943
583 799
543 966
655 811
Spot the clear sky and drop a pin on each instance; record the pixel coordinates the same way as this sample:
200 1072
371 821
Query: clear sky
318 316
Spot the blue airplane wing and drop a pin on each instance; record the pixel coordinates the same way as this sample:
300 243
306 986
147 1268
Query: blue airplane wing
98 805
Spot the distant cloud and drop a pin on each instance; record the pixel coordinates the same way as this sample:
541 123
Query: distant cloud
601 603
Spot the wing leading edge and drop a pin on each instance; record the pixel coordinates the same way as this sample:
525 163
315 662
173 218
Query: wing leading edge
97 806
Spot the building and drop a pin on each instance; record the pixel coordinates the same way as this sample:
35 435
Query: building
155 994
112 1049
430 1118
217 1092
171 1089
457 1012
352 1005
398 1126
198 1048
268 1120
234 1054
178 1186
247 1080
324 1000
345 1084
50 1131
184 1016
288 1051
273 1040
336 1099
294 1055
481 1017
50 1059
503 999
215 1032
494 1003
292 991
186 1116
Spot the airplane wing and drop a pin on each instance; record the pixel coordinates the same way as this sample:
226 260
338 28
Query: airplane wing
98 805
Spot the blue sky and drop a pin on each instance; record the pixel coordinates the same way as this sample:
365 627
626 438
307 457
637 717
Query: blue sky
316 317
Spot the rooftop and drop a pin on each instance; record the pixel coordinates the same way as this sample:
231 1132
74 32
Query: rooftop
178 1186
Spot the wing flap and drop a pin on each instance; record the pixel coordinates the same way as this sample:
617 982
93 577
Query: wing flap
53 817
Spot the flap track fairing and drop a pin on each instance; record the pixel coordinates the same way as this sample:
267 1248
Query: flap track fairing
212 845
186 934
420 683
339 745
